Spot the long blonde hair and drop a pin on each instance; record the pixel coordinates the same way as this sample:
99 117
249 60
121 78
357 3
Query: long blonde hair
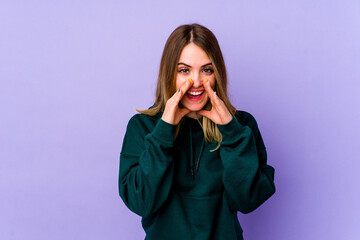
205 39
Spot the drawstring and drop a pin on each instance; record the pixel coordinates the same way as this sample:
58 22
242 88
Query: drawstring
191 154
201 152
192 158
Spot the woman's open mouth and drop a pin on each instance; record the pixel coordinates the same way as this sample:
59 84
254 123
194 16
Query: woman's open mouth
195 95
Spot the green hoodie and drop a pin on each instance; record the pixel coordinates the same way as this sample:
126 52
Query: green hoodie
183 189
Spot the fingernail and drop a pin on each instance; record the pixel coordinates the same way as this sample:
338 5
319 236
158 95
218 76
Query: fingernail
207 80
179 90
190 80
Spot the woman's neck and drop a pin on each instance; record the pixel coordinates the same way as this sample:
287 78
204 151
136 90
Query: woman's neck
193 115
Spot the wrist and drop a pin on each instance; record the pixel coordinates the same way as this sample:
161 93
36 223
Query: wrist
227 119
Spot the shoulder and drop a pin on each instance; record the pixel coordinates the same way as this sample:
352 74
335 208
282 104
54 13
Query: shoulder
138 127
140 117
142 122
245 118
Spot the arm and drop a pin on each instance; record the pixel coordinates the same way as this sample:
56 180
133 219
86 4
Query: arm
247 179
146 162
146 166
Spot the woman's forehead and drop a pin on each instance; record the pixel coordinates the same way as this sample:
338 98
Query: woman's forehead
194 56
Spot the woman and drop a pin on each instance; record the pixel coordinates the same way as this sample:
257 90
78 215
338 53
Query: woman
191 161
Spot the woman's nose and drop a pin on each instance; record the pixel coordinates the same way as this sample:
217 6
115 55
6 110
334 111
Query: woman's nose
197 81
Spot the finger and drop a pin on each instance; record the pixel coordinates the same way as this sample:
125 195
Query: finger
180 92
183 89
187 84
183 112
205 113
210 92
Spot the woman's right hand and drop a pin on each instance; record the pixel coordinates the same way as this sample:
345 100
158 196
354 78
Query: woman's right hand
172 113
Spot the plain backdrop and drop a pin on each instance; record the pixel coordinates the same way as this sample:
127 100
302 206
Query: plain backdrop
73 72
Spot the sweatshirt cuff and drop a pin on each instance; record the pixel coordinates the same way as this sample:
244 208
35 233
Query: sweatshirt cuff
164 132
231 130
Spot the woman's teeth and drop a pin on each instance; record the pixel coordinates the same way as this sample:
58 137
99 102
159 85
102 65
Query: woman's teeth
195 93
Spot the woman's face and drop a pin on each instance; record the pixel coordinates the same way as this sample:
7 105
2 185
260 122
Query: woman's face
195 64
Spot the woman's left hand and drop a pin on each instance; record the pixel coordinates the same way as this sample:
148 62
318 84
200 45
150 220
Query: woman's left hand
219 114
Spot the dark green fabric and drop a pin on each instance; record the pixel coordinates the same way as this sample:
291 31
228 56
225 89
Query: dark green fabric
158 178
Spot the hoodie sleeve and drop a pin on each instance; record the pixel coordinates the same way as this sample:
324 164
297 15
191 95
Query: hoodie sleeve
146 166
247 178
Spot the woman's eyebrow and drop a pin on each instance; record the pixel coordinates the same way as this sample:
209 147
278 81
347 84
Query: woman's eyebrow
181 63
206 64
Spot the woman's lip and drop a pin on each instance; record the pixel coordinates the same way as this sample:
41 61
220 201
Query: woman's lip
194 97
195 90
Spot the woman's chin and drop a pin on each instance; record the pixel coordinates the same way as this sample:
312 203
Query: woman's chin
193 107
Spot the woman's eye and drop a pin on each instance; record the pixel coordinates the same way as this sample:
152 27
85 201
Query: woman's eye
183 70
208 70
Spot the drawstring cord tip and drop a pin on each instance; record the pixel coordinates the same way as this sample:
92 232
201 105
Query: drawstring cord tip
197 165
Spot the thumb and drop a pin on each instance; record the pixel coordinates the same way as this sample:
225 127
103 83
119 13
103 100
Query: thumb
183 112
205 113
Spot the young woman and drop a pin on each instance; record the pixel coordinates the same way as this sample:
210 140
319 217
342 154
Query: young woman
190 162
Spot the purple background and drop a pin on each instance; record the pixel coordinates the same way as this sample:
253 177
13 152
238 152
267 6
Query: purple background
72 73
